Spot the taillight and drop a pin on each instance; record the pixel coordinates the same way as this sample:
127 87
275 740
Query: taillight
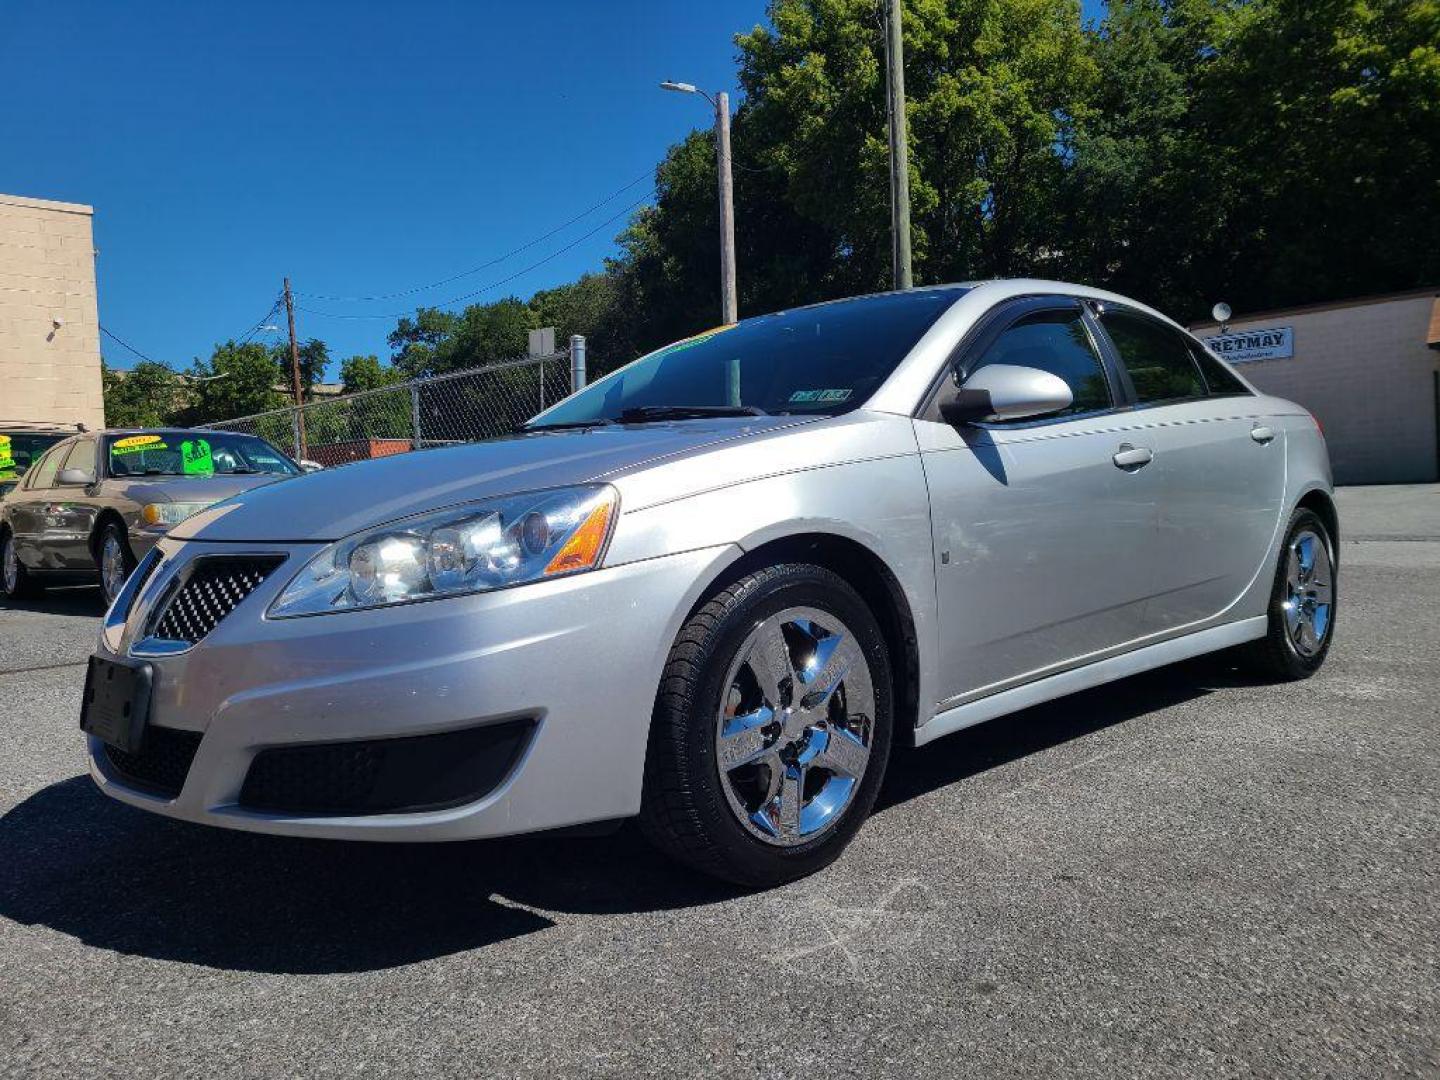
1318 426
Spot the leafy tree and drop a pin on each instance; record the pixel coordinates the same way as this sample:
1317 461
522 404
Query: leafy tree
148 395
314 359
414 341
245 383
366 373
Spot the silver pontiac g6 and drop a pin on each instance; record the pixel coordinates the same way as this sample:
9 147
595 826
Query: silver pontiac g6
713 589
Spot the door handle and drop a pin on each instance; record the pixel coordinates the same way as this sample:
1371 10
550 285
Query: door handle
1130 458
1262 435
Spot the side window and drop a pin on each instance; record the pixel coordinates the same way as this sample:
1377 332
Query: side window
1157 358
1057 342
1219 378
81 456
43 474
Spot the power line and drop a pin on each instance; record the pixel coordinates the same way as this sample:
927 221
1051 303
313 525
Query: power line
126 344
493 262
494 284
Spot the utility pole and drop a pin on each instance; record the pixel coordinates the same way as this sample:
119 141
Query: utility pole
300 448
899 146
729 305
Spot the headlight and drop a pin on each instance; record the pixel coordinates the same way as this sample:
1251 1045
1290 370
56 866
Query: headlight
169 513
464 549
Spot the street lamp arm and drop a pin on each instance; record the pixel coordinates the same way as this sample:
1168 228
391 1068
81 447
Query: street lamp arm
687 88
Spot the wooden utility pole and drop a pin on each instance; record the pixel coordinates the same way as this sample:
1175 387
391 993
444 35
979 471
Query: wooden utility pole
729 306
899 145
300 448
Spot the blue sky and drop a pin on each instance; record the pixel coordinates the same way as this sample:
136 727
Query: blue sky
359 148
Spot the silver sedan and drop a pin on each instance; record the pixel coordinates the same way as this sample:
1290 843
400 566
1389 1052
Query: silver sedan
713 589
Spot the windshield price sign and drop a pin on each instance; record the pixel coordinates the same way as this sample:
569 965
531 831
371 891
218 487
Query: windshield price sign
1246 346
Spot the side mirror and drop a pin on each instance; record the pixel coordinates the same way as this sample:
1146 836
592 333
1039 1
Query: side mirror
76 477
1006 392
310 466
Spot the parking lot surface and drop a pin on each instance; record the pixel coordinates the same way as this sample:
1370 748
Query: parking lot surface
1187 873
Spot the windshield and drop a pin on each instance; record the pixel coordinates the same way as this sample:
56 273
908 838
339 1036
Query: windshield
19 450
194 453
825 359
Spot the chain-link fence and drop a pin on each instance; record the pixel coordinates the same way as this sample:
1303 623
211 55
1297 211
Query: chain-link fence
464 406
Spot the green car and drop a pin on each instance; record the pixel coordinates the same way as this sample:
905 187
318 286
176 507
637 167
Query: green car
21 445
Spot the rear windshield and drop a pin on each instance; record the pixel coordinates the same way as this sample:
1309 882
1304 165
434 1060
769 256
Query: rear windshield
194 453
824 359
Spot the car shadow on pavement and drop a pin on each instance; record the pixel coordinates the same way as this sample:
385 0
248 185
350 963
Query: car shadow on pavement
117 878
83 600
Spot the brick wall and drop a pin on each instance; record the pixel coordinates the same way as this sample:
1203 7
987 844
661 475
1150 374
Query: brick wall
1364 370
47 271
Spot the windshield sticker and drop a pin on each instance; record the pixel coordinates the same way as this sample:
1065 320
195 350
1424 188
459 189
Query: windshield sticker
195 458
136 442
7 459
820 396
158 444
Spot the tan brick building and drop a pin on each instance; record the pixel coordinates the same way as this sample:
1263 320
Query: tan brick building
49 323
1368 369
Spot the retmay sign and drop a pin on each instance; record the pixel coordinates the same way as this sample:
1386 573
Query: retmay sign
1243 346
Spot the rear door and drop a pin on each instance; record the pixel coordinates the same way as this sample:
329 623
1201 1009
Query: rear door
1219 464
1043 543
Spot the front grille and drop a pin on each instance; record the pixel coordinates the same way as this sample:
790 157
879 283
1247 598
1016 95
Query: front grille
212 589
385 776
161 763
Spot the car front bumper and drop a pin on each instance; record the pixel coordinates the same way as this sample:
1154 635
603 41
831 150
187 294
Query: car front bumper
578 658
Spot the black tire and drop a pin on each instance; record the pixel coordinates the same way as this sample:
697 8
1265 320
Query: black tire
685 810
1276 656
112 530
24 586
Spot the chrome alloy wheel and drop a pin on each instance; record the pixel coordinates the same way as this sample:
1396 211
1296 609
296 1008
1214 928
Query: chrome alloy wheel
112 566
795 727
12 566
1309 592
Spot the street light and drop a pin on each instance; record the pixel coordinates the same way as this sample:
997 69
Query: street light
729 306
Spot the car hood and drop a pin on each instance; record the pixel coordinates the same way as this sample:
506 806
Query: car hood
200 489
329 505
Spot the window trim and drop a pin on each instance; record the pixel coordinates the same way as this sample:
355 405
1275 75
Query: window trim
988 328
1124 372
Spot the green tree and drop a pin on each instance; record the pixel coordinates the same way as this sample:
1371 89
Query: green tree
314 359
150 394
245 383
366 373
414 341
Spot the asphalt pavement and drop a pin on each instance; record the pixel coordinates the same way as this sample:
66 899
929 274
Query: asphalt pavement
1186 873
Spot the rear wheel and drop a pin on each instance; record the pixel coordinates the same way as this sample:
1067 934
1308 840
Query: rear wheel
114 561
15 581
772 728
1302 604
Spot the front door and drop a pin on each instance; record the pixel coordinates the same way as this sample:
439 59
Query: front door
1044 545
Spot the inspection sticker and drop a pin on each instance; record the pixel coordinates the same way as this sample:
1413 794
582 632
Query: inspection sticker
821 395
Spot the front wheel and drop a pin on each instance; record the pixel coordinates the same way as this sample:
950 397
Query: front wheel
15 581
114 561
1302 604
771 730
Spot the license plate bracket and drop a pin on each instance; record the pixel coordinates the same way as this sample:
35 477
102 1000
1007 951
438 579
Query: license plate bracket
116 706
